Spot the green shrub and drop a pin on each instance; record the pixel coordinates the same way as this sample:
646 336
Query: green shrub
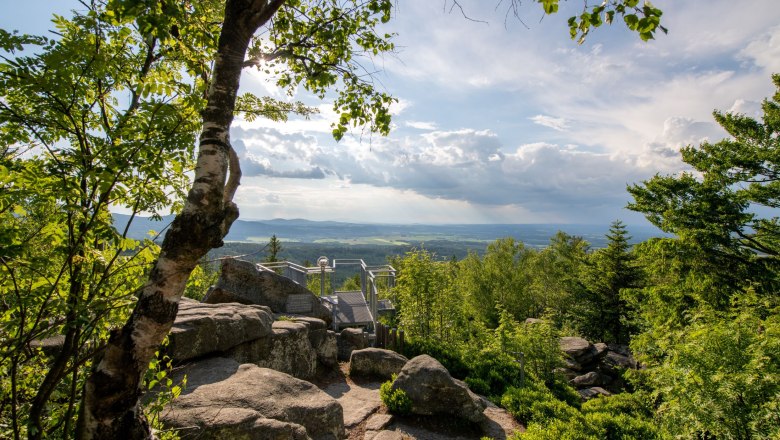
635 404
518 401
620 426
478 385
448 354
561 389
396 400
558 429
498 371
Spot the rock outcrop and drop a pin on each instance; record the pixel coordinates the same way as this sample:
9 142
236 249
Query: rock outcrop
433 391
376 362
300 346
243 282
201 329
224 399
595 369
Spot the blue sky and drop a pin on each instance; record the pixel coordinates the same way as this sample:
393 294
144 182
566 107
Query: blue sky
499 123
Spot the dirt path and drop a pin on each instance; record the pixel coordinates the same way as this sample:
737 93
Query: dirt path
365 418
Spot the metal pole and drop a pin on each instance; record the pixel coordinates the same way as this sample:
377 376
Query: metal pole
322 281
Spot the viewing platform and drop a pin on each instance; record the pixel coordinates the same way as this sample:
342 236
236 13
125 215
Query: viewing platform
355 308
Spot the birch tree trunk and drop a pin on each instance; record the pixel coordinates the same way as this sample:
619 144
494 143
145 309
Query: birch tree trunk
111 408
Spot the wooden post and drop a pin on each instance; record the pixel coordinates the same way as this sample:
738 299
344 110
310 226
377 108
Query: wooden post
400 341
378 335
393 345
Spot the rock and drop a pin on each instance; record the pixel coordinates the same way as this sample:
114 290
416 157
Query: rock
586 380
322 340
378 422
351 339
287 350
593 392
534 321
581 351
568 373
615 363
226 400
359 402
601 349
384 435
241 281
620 348
572 365
376 362
433 391
202 329
575 347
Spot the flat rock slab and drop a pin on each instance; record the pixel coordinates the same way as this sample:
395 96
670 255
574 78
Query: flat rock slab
385 435
378 422
358 402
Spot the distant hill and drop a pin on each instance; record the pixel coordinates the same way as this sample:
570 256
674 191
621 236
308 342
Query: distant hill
329 232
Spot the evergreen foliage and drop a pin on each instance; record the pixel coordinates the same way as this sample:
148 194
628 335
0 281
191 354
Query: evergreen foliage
396 400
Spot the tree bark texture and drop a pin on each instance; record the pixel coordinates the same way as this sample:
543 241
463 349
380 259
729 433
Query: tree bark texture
111 408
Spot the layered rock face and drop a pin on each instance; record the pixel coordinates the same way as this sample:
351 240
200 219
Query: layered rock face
244 374
226 400
595 369
242 282
299 346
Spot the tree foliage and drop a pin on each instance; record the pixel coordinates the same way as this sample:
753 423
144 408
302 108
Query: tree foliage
602 313
710 308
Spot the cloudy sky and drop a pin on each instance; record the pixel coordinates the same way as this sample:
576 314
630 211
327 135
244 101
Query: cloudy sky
505 122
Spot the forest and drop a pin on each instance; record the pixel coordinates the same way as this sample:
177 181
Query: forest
129 105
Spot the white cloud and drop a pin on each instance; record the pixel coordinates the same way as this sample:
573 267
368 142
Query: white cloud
764 51
555 131
558 124
421 125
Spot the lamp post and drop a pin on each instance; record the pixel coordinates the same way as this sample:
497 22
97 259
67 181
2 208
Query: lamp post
322 262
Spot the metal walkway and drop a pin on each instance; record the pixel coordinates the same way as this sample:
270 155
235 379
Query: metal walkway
357 308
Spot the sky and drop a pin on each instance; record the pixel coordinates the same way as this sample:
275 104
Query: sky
502 121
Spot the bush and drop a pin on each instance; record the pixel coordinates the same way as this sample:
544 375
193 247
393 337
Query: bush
518 401
575 429
497 371
396 400
448 354
478 385
561 389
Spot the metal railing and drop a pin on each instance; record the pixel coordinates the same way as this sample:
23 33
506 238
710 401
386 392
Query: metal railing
369 275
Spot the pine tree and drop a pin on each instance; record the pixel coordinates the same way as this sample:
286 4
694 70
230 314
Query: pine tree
603 313
274 248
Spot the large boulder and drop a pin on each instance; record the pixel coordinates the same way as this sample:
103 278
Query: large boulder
580 351
589 379
376 362
433 391
243 282
224 399
615 363
349 340
201 329
287 350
